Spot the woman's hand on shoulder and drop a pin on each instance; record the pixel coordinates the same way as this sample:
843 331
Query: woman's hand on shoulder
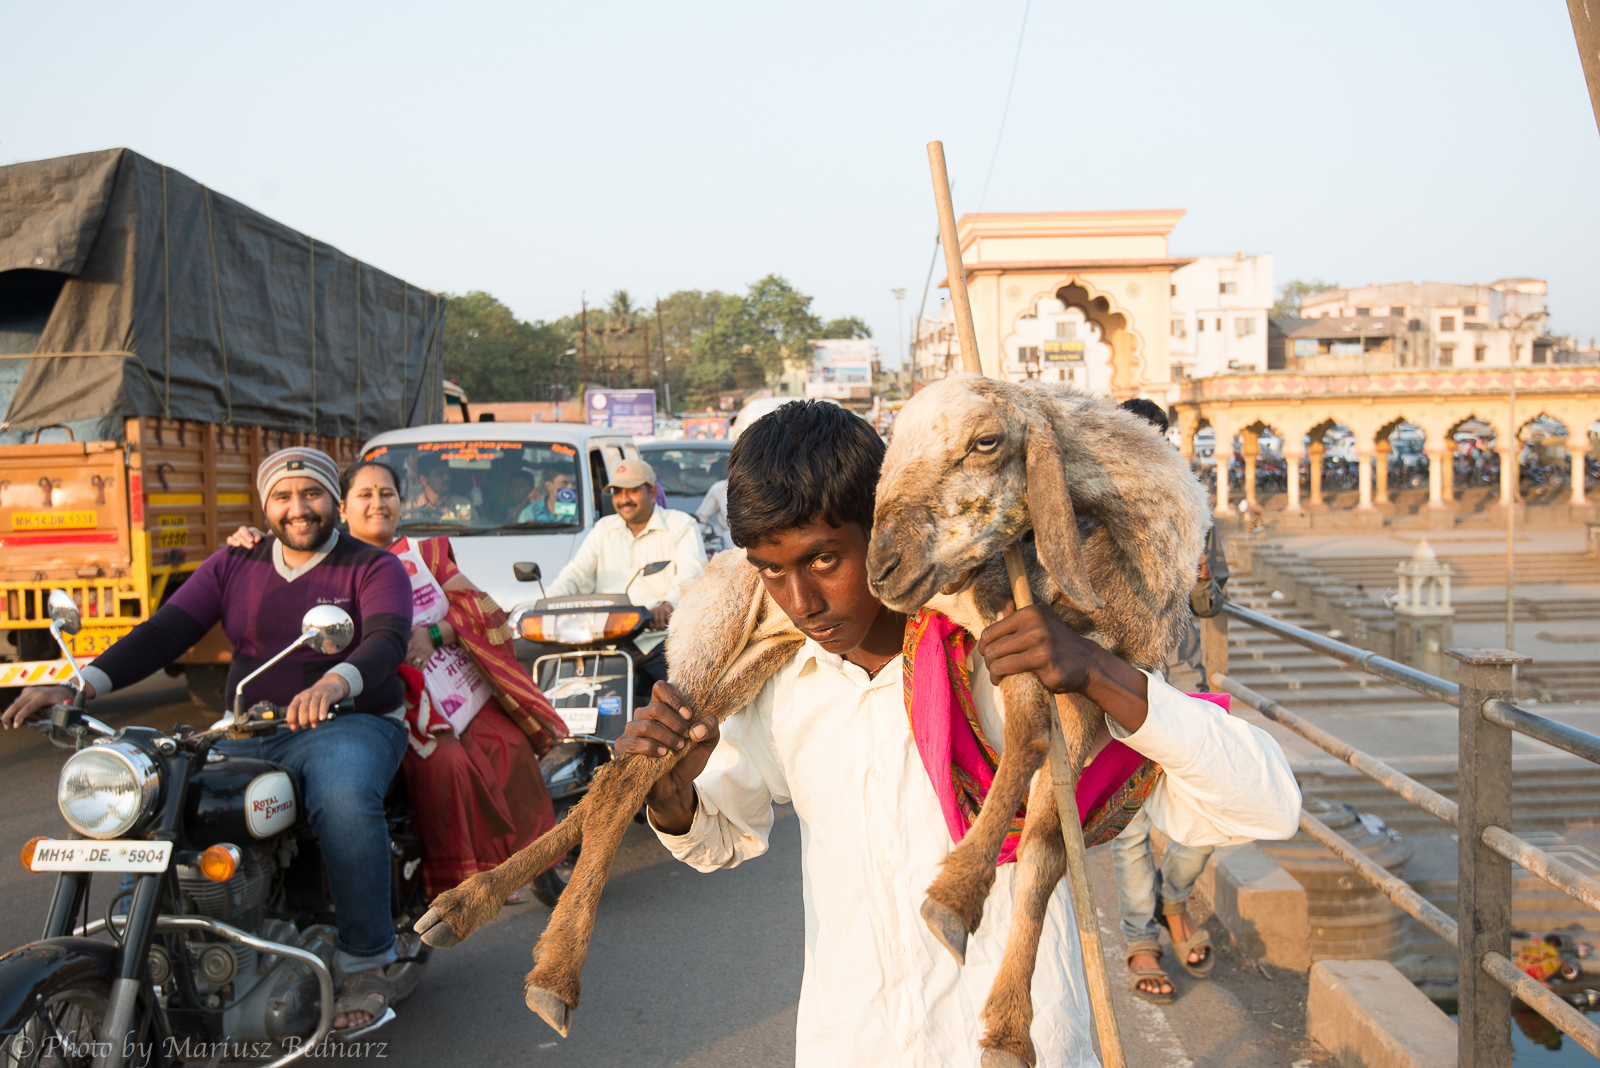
246 538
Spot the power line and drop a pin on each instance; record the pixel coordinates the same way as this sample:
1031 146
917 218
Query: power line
1015 62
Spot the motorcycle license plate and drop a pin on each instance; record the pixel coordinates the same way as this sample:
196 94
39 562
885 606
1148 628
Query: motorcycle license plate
580 720
114 855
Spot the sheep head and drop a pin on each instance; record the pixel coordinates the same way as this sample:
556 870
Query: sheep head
970 463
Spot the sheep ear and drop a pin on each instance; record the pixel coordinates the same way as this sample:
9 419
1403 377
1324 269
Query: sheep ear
1055 525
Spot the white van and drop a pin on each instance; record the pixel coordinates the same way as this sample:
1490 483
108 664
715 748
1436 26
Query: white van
479 478
755 409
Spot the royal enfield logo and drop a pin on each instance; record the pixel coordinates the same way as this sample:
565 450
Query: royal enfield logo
269 804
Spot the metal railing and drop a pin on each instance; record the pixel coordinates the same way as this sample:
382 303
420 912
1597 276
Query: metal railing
1481 932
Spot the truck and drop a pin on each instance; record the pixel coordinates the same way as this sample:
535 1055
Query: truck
157 341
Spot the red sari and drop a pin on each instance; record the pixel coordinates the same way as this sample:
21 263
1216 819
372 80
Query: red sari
478 798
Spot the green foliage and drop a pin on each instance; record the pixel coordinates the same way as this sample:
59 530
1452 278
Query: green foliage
1293 292
706 342
849 326
497 357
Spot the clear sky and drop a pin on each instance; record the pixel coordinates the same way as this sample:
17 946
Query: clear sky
539 150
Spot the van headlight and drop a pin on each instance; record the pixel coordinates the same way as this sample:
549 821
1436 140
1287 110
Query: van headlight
105 790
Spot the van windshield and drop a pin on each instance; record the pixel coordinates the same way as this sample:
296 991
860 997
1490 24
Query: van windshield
484 487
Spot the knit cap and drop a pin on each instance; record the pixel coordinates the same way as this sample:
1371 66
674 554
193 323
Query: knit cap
297 462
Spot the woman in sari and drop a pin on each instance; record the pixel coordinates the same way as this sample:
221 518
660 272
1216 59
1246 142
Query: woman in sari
476 722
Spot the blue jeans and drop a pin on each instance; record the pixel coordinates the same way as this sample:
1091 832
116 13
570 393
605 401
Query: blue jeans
345 765
1141 888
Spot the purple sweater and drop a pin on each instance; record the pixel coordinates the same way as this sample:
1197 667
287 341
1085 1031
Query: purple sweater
260 613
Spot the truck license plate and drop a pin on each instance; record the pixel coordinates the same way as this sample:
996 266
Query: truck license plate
581 720
114 855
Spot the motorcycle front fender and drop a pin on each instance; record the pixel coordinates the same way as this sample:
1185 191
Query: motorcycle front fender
32 973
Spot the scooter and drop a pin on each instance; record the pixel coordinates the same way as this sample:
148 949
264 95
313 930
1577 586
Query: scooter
589 681
226 947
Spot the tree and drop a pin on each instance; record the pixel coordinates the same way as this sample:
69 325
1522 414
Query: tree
850 326
497 357
1292 293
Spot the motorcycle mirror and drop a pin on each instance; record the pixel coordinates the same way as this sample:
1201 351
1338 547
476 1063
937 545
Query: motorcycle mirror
526 572
655 567
64 610
327 628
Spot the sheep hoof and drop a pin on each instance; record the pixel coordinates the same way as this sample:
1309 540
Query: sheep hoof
551 1009
947 928
435 931
999 1058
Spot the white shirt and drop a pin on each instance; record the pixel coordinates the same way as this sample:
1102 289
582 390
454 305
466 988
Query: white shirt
610 556
878 989
713 511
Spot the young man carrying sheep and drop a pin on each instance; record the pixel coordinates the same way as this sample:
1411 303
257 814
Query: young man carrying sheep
830 734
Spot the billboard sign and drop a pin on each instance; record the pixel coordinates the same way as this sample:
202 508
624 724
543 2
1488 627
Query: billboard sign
705 427
841 369
632 411
1063 350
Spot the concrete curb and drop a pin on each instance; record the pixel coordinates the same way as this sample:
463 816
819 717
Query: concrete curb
1367 1014
1262 906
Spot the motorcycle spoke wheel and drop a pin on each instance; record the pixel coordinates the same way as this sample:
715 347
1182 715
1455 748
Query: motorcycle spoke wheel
61 1033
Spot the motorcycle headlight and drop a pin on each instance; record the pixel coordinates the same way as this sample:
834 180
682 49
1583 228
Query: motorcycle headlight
105 790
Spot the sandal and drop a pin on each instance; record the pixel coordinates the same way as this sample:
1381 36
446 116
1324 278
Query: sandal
1137 974
1201 939
366 992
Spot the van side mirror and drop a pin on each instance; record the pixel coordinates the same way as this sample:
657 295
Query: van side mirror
526 572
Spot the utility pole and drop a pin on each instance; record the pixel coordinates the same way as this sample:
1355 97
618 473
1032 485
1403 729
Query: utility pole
900 318
583 360
666 384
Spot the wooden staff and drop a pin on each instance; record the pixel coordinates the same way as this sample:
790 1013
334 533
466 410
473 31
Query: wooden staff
1061 773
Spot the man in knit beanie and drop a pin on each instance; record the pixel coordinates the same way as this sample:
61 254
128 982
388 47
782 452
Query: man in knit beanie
259 595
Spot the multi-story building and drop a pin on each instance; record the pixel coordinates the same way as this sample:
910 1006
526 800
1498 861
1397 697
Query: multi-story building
1218 315
1430 324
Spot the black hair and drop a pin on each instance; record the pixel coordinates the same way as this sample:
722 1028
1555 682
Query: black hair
1148 410
350 472
808 459
429 462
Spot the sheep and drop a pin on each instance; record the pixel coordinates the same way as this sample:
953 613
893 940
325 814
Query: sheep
1118 522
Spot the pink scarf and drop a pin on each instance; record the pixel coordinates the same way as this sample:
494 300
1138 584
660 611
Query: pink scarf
960 762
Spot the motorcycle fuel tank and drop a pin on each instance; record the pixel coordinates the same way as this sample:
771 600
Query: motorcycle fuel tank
239 800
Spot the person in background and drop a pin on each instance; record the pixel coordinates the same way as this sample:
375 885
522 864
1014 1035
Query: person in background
611 559
475 722
713 511
519 493
437 501
1148 898
551 505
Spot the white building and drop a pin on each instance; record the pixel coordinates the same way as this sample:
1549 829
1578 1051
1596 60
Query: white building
1450 325
1219 308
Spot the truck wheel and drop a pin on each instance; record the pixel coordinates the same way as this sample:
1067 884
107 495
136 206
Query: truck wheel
207 685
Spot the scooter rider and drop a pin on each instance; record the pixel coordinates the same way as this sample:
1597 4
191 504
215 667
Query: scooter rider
346 763
610 559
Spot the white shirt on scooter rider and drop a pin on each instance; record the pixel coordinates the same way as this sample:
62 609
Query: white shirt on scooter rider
612 555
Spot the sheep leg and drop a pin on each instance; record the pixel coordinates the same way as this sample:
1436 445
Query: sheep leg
553 986
1041 861
456 913
954 907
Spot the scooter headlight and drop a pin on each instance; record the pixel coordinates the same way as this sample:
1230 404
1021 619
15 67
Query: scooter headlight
105 790
577 628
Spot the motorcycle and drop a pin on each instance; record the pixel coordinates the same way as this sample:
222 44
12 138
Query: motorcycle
226 948
589 680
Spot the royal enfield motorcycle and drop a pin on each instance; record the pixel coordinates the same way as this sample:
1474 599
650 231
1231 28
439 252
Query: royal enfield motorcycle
587 672
220 943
